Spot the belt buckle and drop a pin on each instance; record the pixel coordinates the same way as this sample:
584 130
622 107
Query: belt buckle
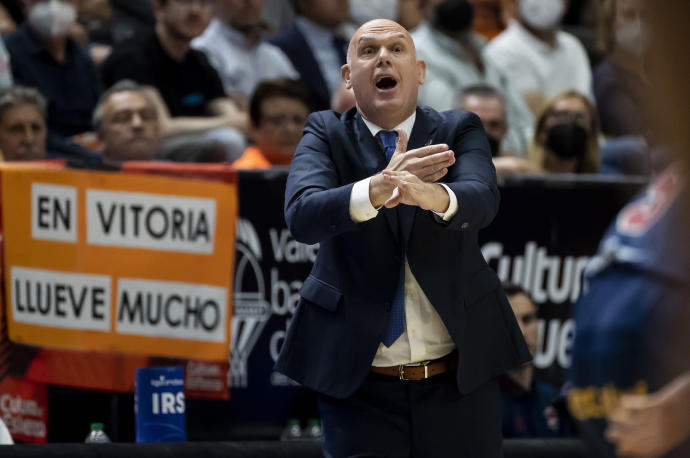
425 364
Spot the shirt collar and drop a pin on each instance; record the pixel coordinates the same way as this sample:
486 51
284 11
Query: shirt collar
406 125
532 41
232 35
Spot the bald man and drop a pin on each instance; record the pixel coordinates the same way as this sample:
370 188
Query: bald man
402 327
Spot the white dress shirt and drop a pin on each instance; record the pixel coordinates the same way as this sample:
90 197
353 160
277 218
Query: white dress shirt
320 41
535 66
425 336
240 66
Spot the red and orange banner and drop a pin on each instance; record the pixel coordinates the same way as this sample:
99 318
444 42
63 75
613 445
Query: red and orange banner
124 265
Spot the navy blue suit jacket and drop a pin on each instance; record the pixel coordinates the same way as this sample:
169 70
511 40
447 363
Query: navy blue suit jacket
346 300
295 46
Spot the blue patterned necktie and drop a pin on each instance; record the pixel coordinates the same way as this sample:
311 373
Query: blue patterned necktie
396 325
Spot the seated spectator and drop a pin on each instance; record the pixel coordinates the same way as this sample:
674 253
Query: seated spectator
43 56
529 408
127 123
233 44
619 84
22 124
201 113
455 59
315 48
490 105
278 111
539 58
566 136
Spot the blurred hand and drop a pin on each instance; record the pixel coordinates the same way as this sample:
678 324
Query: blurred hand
410 190
428 163
653 424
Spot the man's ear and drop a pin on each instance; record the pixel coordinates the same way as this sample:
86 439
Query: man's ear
345 73
421 71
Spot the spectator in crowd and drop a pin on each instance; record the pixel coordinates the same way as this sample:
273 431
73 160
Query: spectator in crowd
490 105
566 136
5 69
454 59
489 20
43 56
233 44
278 111
127 123
201 113
22 124
541 60
315 48
528 404
619 81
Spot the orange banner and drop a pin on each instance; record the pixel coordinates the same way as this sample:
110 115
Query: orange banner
118 262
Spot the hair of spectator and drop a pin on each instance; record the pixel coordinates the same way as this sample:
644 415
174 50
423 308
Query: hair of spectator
121 86
512 289
590 162
16 96
481 90
280 87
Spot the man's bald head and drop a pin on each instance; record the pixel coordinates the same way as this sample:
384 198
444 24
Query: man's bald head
383 71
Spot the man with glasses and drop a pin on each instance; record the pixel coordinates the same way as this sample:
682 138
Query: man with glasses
201 114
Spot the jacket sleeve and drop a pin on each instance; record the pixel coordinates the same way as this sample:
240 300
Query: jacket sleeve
316 205
473 176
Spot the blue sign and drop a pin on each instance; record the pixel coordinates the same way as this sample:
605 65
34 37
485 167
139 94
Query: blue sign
159 404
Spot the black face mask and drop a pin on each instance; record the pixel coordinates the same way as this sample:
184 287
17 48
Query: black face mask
567 140
495 146
454 16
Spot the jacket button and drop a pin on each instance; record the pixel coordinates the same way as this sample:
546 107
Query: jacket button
465 225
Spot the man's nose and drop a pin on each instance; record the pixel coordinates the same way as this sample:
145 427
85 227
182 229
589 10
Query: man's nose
28 135
137 121
384 56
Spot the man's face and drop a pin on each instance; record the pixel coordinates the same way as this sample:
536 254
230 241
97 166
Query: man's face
491 111
280 129
241 13
130 128
184 19
327 13
22 134
384 72
526 314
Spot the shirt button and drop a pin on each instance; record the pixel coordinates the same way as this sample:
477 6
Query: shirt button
465 225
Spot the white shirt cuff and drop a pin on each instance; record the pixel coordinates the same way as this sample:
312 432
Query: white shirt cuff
452 206
360 206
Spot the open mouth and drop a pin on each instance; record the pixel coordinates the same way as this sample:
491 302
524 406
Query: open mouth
386 82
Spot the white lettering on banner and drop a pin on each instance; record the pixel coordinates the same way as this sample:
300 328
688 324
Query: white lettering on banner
20 426
53 212
151 221
287 249
16 405
551 279
60 300
167 403
556 345
171 309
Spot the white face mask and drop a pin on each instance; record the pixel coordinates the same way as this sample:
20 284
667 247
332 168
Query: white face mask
53 18
362 11
542 14
632 37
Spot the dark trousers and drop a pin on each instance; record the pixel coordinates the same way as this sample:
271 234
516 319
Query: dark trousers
387 417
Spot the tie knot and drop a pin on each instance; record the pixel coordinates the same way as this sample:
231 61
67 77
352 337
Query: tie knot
388 139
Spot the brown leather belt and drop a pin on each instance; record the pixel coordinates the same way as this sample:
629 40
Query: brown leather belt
419 371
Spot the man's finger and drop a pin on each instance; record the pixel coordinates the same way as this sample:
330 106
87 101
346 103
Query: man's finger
401 142
435 175
394 199
427 150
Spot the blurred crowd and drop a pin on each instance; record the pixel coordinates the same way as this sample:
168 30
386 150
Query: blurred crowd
558 84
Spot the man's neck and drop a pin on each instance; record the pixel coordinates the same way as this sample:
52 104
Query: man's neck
251 32
547 36
175 47
523 376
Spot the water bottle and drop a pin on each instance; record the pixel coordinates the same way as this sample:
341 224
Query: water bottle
97 435
292 431
313 429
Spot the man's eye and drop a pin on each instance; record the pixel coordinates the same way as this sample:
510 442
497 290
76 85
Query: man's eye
368 51
397 49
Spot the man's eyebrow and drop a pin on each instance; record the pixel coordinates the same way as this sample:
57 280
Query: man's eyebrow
366 38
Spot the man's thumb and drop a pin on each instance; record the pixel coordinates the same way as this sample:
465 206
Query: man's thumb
401 143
